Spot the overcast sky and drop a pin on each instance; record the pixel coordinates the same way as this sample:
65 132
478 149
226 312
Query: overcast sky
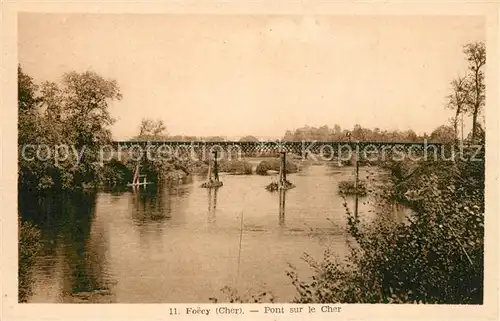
258 75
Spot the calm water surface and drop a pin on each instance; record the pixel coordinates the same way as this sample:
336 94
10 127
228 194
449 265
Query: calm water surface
181 244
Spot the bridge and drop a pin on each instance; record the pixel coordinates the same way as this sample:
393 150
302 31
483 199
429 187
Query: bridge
302 148
297 147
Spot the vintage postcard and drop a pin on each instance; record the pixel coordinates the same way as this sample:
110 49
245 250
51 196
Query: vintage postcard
244 160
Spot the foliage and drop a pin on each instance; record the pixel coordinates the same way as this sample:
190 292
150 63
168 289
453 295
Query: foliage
458 100
187 138
237 167
29 246
114 173
479 137
349 188
274 186
476 56
157 166
72 115
324 133
468 92
443 134
211 184
151 130
249 138
437 257
231 295
274 164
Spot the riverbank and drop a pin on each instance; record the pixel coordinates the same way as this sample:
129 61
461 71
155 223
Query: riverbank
420 260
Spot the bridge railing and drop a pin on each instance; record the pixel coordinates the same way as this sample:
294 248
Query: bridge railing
325 149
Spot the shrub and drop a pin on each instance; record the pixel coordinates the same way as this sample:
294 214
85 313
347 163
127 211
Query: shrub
349 188
435 257
231 295
236 167
274 186
274 164
115 173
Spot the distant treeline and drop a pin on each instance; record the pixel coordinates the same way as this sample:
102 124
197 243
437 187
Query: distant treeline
443 134
325 133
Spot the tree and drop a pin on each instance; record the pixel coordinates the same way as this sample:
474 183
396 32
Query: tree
249 138
361 133
480 135
86 98
443 134
476 56
337 131
27 106
322 133
458 99
410 136
152 130
288 135
26 91
75 114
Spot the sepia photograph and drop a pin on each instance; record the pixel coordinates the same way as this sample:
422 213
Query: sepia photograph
251 158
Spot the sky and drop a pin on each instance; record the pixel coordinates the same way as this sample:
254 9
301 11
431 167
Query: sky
258 75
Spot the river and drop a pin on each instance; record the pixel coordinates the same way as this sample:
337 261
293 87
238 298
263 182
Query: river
182 244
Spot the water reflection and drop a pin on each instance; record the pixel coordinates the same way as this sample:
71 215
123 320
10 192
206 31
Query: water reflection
69 232
154 204
282 202
212 204
172 244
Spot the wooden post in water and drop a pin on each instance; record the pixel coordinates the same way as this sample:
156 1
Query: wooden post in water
282 179
282 207
216 171
209 175
212 170
284 166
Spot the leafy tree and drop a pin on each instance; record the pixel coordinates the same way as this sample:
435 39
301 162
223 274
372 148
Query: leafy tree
74 114
410 136
337 130
476 56
152 130
26 91
27 106
443 134
323 133
458 100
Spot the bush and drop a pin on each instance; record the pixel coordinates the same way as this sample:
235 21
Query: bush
115 173
231 295
274 164
436 257
274 186
236 167
349 188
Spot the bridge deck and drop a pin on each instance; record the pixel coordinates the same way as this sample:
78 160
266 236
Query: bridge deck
289 146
